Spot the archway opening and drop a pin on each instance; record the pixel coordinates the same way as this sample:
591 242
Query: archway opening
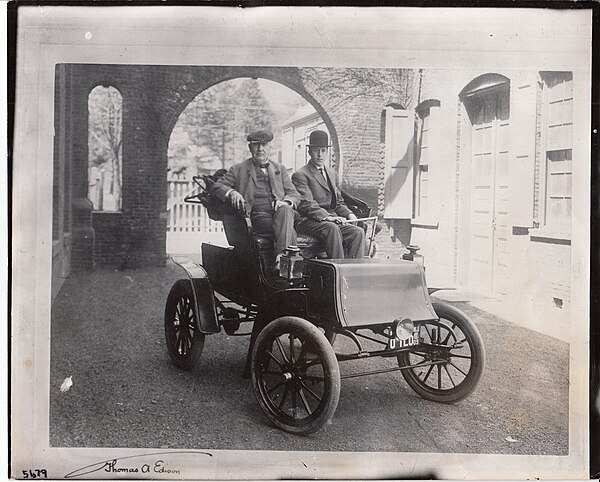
210 134
105 148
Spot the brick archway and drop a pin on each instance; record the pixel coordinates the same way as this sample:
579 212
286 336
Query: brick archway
348 100
291 77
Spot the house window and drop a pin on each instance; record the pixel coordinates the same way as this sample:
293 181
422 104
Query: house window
105 148
427 114
558 188
557 144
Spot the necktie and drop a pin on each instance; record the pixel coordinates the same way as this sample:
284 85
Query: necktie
331 189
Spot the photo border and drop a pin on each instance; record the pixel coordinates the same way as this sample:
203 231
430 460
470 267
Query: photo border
52 34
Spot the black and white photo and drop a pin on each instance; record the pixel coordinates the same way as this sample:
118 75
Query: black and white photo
301 242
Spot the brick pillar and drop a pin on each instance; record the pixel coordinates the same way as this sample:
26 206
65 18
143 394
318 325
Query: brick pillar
82 254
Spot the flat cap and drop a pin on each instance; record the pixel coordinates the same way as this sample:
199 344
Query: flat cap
260 136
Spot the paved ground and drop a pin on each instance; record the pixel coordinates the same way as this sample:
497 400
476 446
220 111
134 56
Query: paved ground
107 333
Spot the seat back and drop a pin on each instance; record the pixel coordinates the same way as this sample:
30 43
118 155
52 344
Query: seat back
237 232
360 208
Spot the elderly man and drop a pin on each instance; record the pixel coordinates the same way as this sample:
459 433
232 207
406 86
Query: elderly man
324 213
262 189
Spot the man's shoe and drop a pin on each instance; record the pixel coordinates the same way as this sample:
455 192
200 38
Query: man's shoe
277 264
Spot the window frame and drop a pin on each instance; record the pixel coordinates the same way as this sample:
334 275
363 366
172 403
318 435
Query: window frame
546 229
121 160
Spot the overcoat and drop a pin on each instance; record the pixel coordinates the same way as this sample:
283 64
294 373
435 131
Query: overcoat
316 194
242 178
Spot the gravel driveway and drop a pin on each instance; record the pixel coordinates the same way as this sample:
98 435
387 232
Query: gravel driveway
107 334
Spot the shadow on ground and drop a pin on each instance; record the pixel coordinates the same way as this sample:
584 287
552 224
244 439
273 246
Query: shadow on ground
107 334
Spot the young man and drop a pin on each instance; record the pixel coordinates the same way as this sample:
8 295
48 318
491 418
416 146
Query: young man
324 213
262 189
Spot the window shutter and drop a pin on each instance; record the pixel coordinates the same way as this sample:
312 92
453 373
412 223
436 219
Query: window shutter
522 165
399 142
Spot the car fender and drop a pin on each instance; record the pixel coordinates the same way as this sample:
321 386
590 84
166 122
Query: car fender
204 297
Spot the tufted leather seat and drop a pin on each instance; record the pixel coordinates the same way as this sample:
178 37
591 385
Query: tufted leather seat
238 231
310 247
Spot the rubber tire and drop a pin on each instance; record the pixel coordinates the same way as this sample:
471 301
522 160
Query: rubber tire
181 291
464 388
331 375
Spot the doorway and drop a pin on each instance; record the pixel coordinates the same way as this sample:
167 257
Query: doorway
489 111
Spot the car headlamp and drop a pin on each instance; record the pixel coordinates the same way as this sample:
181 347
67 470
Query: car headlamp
403 329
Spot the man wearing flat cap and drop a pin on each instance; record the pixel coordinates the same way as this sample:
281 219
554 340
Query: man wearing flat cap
324 214
262 189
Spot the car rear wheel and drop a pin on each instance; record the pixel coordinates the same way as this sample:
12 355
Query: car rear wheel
295 375
448 363
184 341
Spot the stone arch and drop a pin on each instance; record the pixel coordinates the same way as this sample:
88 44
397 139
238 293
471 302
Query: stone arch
287 76
349 100
482 83
428 104
106 83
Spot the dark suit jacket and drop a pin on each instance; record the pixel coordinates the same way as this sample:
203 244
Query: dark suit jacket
316 195
242 178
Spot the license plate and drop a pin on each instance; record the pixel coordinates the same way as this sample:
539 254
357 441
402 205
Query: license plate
395 343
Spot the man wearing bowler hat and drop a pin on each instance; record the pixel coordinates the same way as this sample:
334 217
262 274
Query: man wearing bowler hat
262 189
324 214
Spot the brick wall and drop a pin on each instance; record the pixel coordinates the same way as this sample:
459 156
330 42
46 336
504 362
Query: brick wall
350 101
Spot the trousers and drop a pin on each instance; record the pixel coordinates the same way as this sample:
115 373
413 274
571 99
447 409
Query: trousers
278 224
341 241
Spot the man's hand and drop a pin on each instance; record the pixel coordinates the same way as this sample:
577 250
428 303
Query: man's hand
335 219
351 216
236 200
278 204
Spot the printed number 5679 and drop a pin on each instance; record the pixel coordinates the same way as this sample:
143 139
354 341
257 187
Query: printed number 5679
35 474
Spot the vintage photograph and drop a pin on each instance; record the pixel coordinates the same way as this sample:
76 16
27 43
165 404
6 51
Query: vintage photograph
257 258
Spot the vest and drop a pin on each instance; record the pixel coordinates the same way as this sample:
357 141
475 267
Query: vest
263 196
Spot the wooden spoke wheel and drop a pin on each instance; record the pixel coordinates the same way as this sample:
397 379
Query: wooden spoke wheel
448 363
184 341
295 375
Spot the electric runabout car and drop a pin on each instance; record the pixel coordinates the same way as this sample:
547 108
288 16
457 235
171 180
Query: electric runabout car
371 308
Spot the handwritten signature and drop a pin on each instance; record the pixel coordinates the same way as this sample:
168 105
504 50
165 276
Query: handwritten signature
133 464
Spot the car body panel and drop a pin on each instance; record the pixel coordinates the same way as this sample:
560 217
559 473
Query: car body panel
363 292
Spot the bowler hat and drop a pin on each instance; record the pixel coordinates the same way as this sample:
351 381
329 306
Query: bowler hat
318 139
260 137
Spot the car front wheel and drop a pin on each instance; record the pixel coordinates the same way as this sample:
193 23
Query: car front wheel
295 375
448 363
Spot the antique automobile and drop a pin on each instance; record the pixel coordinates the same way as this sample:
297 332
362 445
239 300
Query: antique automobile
315 314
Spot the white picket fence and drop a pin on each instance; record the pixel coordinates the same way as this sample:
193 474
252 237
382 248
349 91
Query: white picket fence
188 225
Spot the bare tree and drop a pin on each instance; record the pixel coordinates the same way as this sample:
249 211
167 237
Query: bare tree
105 135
